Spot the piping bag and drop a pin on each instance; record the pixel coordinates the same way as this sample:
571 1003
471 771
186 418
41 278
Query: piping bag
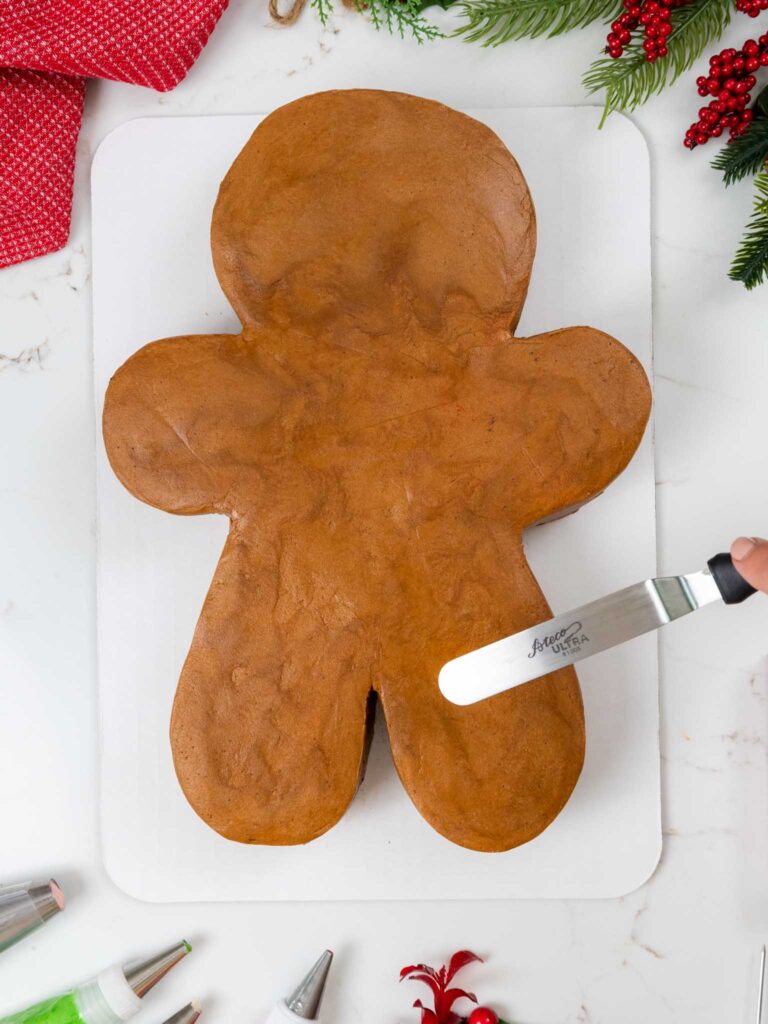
304 1003
114 996
25 907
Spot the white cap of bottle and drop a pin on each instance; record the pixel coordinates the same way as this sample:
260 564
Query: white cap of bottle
108 999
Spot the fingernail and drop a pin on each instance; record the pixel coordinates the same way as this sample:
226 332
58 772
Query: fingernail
742 548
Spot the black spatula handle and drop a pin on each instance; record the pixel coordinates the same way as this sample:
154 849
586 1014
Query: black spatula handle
729 580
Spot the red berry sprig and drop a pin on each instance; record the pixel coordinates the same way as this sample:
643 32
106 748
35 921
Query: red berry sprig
655 17
752 7
730 81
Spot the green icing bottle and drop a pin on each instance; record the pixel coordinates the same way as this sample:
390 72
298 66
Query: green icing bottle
113 997
62 1010
108 999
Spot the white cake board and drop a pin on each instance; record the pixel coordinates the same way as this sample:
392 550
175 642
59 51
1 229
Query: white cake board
154 184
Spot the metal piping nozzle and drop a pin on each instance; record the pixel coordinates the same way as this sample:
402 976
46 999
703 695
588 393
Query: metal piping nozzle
186 1016
23 908
145 974
305 1001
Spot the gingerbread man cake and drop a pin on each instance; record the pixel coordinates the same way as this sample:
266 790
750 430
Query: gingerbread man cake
379 439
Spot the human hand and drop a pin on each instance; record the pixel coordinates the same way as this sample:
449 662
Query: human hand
750 556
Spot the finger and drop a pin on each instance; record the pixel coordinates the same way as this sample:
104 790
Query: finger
750 556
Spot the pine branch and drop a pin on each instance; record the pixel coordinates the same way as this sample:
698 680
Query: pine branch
497 21
323 8
631 80
746 154
750 265
396 16
399 17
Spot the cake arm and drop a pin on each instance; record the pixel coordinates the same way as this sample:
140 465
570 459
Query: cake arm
587 401
180 420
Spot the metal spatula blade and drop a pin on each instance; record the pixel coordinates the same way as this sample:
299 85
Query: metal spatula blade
588 630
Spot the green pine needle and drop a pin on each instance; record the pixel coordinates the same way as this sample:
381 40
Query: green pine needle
746 154
750 265
323 8
631 80
396 16
399 17
497 21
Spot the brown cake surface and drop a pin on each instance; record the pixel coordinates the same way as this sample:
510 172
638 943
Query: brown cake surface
379 439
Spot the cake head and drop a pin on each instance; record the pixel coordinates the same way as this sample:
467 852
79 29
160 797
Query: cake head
373 208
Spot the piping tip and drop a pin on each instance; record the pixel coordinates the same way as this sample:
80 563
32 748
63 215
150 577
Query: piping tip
23 908
305 1001
145 974
47 898
186 1016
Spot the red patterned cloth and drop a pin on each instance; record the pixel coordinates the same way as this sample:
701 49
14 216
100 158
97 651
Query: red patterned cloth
47 50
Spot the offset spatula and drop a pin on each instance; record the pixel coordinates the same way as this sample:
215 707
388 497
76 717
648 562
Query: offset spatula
588 630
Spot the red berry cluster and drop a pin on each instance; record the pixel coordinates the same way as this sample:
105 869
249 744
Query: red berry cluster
654 16
731 77
752 7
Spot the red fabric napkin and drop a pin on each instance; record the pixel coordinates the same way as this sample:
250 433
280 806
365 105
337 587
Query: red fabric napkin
47 50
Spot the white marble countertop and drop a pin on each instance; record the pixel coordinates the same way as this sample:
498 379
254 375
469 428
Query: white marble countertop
684 947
